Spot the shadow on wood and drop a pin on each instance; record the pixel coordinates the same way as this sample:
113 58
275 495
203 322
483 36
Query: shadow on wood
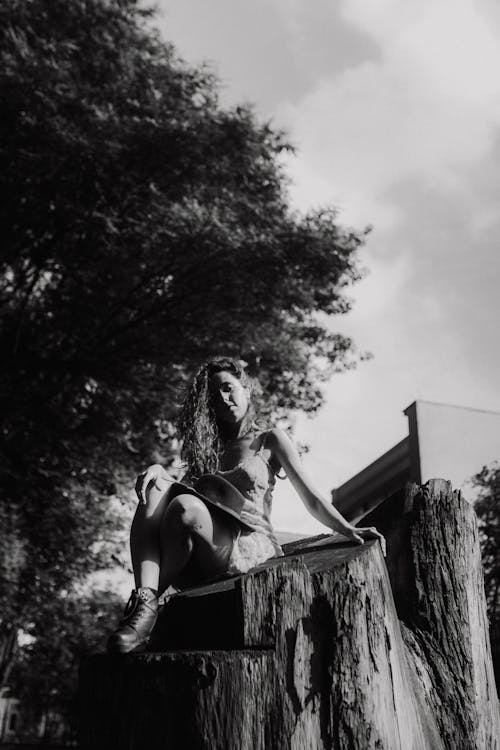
307 651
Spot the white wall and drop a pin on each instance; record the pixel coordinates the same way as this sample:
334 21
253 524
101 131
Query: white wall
456 442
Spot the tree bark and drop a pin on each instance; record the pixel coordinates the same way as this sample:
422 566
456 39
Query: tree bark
316 656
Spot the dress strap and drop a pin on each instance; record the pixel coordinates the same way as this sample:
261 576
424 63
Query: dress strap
259 453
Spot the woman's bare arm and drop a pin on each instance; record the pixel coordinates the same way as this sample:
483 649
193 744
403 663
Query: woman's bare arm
285 452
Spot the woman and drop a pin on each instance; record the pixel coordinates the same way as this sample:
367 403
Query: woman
217 522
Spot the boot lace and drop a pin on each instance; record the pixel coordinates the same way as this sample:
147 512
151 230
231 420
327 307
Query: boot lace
134 610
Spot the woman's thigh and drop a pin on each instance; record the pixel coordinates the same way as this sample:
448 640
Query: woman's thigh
212 534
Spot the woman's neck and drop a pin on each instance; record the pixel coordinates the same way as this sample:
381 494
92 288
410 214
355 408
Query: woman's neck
232 432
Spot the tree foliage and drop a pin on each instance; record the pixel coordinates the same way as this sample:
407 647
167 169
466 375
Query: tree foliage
487 507
144 227
72 626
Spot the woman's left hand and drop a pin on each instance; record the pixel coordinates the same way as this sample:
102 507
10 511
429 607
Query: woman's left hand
155 475
359 535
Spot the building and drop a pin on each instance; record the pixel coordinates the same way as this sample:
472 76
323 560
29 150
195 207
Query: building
450 442
9 716
17 730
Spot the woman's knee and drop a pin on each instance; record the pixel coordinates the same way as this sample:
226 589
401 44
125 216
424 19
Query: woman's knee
189 512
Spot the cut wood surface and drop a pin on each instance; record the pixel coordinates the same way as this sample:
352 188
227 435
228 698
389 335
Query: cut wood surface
313 651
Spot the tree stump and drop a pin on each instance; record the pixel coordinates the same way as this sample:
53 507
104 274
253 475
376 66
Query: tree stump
307 651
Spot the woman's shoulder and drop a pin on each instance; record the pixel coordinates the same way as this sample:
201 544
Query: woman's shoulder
274 440
272 437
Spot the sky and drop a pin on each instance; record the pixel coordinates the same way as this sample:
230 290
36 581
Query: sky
394 109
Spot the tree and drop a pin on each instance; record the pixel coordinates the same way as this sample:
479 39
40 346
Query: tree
144 227
72 626
487 507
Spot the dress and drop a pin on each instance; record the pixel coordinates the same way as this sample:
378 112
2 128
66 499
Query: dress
255 479
255 541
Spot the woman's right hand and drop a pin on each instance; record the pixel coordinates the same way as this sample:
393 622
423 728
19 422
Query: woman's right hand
359 535
155 474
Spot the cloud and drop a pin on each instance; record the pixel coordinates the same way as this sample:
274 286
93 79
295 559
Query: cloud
408 141
426 109
266 51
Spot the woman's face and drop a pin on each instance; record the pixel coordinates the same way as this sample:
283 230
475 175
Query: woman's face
230 398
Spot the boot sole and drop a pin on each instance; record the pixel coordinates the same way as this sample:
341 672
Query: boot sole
141 647
117 648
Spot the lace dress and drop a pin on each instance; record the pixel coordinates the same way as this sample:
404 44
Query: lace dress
255 479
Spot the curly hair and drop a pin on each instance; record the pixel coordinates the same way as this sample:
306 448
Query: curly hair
200 432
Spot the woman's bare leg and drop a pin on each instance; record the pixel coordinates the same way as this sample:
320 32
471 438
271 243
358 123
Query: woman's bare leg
190 530
145 537
167 537
139 618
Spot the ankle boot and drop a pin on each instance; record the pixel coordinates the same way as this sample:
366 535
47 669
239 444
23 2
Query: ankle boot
136 624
